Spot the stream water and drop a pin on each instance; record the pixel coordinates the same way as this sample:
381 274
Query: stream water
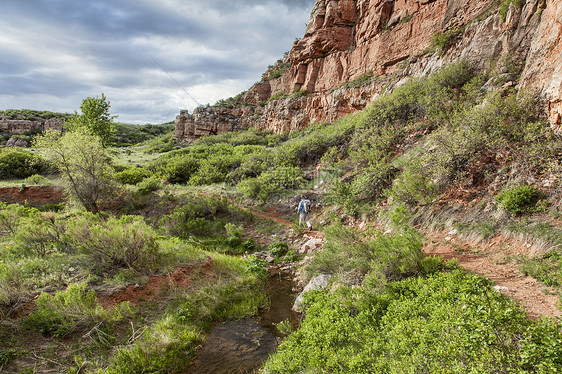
242 346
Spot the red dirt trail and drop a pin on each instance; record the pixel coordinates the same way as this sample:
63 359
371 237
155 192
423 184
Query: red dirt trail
488 259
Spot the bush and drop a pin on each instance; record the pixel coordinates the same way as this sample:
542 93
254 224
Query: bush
118 243
413 186
270 182
504 6
132 175
443 41
165 349
148 185
11 216
200 216
38 235
37 179
11 285
518 200
381 258
17 163
74 309
256 267
445 323
278 249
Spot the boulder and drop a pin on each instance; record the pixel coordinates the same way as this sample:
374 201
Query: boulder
321 282
311 245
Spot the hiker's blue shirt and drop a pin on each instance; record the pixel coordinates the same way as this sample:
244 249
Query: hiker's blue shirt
304 206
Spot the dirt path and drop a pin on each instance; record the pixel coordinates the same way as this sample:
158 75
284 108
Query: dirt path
271 215
492 260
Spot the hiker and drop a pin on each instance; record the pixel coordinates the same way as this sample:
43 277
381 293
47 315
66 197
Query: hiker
303 210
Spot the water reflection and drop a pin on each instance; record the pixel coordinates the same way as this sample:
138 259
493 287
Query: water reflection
242 346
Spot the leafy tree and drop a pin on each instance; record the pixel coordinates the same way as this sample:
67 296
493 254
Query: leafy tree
83 163
95 118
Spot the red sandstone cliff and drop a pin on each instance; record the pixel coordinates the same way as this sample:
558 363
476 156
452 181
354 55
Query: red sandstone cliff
355 49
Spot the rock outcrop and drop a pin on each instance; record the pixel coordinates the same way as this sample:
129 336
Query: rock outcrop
23 126
355 49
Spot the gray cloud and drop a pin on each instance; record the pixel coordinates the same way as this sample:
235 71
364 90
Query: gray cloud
57 52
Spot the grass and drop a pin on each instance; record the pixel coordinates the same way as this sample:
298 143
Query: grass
50 180
134 156
155 334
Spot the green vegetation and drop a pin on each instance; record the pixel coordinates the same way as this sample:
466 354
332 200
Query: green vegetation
518 199
72 310
443 41
46 250
127 134
95 119
277 70
33 115
375 259
504 6
189 260
18 163
448 322
83 163
363 80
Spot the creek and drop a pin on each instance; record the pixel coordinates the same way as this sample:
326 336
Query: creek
242 346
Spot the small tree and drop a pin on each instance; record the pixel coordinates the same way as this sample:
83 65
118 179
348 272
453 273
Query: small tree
84 165
95 119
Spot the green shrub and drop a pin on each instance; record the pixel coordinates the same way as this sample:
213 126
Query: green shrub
200 216
12 285
290 256
117 243
38 235
148 185
445 323
341 193
363 80
166 348
132 175
129 134
256 267
271 182
443 41
278 249
17 163
413 186
37 179
381 258
519 199
504 7
11 216
161 144
176 168
250 245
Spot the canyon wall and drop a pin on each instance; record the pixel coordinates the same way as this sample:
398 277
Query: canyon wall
21 126
16 126
353 50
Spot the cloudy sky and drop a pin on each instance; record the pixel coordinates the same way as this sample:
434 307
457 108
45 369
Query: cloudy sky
150 58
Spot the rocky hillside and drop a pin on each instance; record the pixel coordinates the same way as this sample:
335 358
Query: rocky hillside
354 50
24 123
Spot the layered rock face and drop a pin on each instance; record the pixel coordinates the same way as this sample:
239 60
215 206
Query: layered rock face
20 126
355 49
